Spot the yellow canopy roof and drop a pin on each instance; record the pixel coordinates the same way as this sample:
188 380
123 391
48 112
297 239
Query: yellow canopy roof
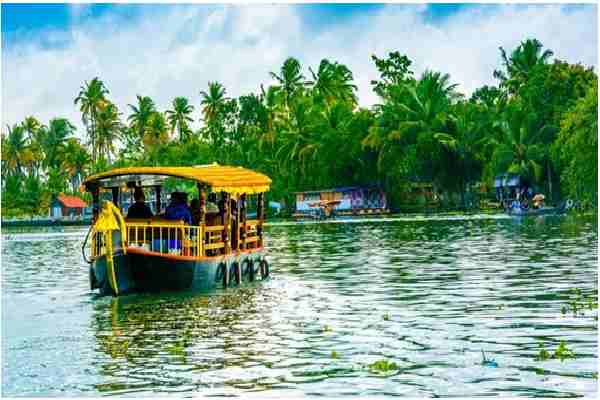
222 178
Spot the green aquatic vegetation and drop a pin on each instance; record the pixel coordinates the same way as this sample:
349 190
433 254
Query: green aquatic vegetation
578 303
543 354
334 354
383 366
326 328
386 317
562 352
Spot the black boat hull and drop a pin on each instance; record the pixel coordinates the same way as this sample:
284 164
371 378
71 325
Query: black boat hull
141 271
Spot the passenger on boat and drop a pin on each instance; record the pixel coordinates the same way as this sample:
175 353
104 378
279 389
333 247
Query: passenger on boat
196 212
139 209
212 211
178 209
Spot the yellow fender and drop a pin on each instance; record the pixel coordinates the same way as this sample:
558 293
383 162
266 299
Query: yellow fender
109 220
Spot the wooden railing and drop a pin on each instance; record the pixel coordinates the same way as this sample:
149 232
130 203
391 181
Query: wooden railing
167 238
177 238
249 238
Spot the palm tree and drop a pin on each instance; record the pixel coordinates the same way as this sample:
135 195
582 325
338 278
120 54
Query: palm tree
156 130
521 149
412 114
213 101
290 80
91 98
53 141
31 126
13 149
521 62
179 117
333 81
75 163
108 129
140 115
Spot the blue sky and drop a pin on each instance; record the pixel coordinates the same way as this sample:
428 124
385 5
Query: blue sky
27 19
164 51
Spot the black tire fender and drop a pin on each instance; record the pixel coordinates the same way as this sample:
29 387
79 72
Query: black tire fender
264 269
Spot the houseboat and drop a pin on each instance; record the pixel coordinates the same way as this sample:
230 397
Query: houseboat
218 247
344 201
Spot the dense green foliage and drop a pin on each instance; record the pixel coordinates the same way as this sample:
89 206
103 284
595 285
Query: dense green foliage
308 132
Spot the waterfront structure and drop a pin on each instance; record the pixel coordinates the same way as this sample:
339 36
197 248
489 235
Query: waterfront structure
353 200
64 206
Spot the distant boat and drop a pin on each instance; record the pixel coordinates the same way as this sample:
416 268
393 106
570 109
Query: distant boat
517 210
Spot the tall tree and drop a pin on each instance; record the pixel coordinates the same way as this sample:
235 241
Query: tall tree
289 80
521 62
180 117
140 115
91 98
75 162
108 130
213 102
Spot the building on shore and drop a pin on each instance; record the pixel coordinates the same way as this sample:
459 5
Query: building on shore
353 200
67 206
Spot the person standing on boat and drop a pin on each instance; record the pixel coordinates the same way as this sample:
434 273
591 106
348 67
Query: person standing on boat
139 209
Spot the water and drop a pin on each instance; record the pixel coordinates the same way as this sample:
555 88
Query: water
427 293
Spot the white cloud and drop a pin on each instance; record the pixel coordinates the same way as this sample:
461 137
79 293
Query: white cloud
176 53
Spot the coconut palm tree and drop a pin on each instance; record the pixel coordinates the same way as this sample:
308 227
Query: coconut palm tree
75 162
31 126
54 139
333 81
140 114
108 129
290 80
179 117
213 102
521 149
412 114
14 145
91 98
156 130
520 63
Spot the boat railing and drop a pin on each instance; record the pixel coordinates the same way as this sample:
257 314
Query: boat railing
177 238
249 238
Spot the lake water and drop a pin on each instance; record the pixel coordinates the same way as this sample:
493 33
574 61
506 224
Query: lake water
426 293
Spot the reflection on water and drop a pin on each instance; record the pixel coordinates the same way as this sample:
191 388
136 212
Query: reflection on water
428 294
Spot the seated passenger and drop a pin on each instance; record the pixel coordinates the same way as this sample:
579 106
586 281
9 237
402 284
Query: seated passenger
196 211
178 209
139 209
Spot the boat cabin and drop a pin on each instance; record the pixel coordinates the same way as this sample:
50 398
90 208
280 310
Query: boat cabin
220 200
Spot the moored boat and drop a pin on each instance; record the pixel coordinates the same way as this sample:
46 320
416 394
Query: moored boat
220 248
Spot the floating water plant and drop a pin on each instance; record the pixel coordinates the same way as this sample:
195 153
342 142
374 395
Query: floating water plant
326 328
386 316
383 366
543 354
334 354
561 353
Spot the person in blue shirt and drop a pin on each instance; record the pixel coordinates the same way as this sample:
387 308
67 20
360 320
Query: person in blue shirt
178 209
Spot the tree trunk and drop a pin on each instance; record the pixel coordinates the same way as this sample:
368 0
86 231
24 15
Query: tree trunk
549 177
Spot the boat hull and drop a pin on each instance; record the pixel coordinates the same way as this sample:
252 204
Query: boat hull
143 271
518 212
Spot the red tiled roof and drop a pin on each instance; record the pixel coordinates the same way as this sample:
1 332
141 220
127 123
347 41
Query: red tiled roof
71 201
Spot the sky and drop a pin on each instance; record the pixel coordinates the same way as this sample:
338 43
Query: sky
164 51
